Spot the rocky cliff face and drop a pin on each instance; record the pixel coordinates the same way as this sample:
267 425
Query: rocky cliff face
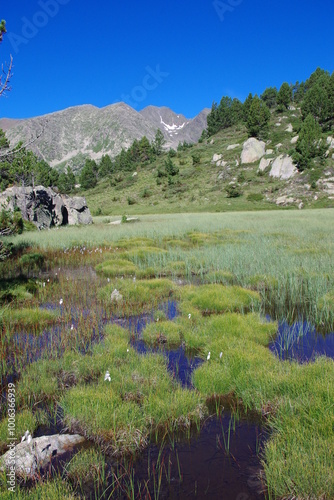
45 208
71 135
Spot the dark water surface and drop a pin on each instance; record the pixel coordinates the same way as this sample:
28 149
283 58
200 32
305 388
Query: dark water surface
301 342
221 462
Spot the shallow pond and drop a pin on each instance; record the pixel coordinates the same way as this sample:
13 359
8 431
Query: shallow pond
221 462
301 342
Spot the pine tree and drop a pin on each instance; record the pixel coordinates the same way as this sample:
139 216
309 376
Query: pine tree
105 167
158 143
5 75
2 29
258 118
87 177
284 96
66 181
170 168
269 96
318 101
298 92
246 106
212 120
309 143
145 150
4 144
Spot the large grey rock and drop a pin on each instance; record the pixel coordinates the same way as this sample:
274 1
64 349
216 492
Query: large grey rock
32 456
45 208
78 212
253 150
283 167
264 163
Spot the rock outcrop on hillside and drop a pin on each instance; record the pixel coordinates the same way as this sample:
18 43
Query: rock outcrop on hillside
283 168
45 208
253 150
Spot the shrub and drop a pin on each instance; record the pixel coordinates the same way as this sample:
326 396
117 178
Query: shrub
146 193
196 157
255 197
170 168
233 191
31 261
131 201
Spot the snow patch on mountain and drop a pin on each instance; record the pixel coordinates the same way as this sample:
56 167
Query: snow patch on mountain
172 129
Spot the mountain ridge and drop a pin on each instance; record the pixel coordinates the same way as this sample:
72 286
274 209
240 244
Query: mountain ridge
69 136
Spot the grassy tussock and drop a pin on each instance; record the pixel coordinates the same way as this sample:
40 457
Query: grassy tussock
162 333
38 383
140 398
87 469
137 296
116 267
213 299
220 276
33 320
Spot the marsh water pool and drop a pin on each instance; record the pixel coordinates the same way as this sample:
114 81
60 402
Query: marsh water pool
301 342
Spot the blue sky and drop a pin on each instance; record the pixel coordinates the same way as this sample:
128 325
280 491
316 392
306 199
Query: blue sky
180 54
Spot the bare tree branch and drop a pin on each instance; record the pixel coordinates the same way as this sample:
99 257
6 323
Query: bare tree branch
14 151
6 76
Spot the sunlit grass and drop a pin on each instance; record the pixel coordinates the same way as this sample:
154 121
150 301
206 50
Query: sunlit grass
117 267
140 398
56 489
87 469
33 320
162 333
137 296
210 299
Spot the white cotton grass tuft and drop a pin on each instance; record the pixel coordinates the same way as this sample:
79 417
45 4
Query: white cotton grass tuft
221 355
189 316
208 356
107 376
26 437
61 302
